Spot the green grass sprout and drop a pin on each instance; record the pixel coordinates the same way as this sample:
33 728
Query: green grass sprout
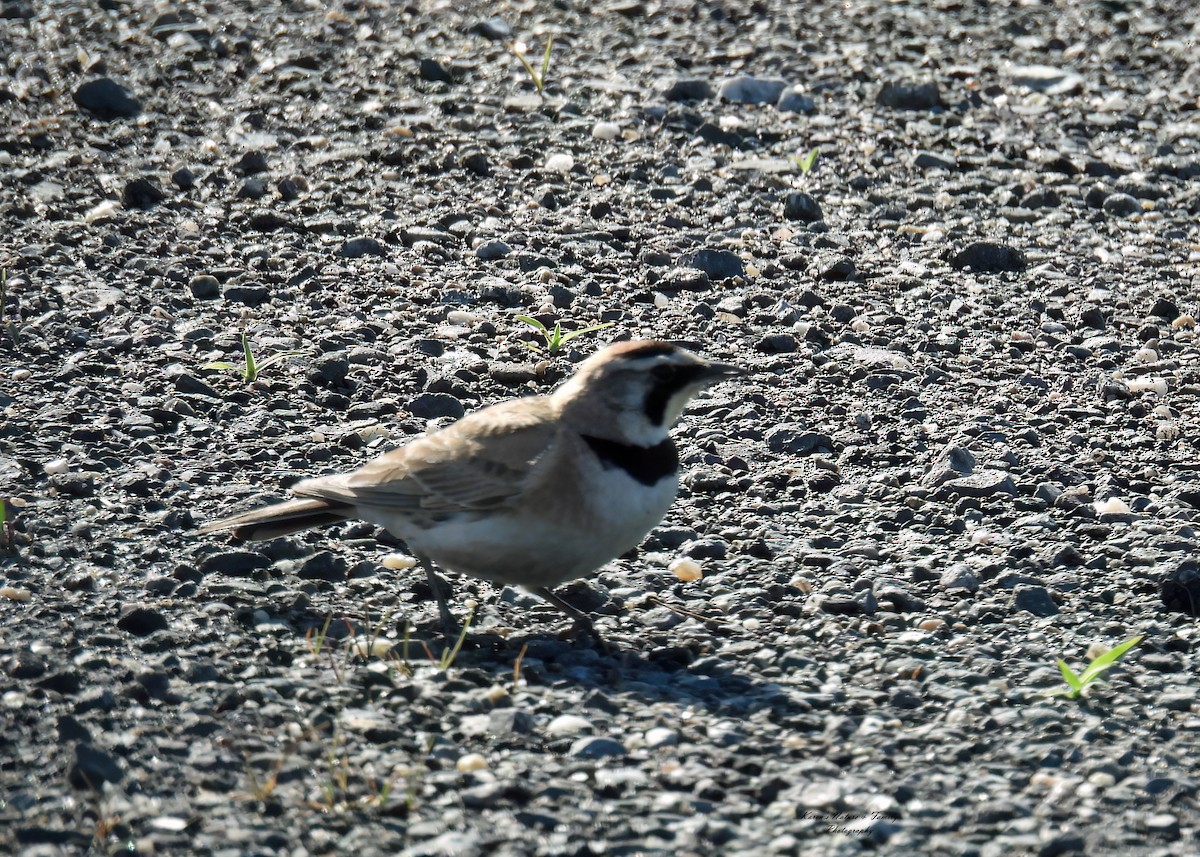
557 338
252 368
1076 683
538 77
808 160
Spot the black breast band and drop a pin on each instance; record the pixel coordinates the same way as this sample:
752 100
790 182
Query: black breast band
646 464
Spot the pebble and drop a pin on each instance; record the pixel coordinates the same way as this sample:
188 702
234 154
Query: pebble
107 99
597 748
1121 205
688 89
990 257
751 90
356 248
1035 600
716 264
797 440
607 131
909 96
801 206
567 724
793 100
1046 78
560 162
491 250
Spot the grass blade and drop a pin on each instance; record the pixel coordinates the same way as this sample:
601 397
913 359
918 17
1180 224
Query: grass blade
1106 660
1069 676
541 80
251 369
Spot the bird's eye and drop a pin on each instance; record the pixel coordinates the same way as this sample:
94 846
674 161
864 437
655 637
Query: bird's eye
663 372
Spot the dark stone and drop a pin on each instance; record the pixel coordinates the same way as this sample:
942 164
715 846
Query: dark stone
249 294
990 257
107 99
1180 589
323 566
797 440
252 188
695 89
434 71
717 264
184 178
204 287
93 768
1035 600
777 343
362 246
898 96
251 163
234 563
329 369
802 206
142 193
433 405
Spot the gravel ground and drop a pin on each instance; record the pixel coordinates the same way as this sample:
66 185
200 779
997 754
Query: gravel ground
968 446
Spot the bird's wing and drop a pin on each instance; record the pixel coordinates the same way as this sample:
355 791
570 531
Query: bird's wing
479 463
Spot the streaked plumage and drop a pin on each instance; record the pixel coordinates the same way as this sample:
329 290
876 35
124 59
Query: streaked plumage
534 491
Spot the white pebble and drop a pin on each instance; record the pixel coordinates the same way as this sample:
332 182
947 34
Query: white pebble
606 130
365 647
20 375
661 736
56 467
1111 506
458 316
560 163
1142 385
568 724
471 762
15 593
399 561
686 570
1184 320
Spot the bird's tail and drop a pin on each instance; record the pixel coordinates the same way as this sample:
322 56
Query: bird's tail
282 519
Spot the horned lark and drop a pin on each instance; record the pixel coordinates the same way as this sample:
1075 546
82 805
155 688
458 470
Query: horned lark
534 491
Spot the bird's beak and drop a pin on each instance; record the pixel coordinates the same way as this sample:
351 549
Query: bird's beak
716 372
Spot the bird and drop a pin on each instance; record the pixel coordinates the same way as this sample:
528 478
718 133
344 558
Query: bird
533 491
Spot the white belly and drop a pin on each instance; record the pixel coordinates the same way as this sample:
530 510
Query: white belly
556 535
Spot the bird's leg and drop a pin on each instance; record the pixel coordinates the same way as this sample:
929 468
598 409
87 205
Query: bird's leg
582 622
449 625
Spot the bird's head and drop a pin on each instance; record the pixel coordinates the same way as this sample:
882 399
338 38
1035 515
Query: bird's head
634 392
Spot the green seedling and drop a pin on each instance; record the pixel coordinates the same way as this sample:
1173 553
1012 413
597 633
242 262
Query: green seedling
557 338
808 160
252 368
538 77
1076 683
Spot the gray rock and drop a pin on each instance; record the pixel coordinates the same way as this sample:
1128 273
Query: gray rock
990 257
959 578
952 461
1035 600
751 90
1121 205
903 96
797 440
93 768
362 246
716 264
932 161
204 287
1047 79
107 99
492 250
801 206
688 89
793 100
984 483
433 405
595 747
